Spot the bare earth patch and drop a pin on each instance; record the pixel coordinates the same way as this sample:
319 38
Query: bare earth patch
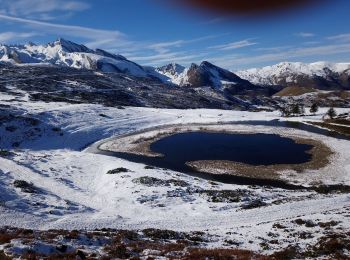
341 127
138 144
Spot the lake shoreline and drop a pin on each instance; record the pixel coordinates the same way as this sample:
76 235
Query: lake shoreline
140 144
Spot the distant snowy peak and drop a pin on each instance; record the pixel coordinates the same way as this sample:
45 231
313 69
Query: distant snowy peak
69 54
171 69
297 73
64 53
205 74
68 46
173 73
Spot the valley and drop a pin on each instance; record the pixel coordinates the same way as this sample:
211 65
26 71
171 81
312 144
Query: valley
108 158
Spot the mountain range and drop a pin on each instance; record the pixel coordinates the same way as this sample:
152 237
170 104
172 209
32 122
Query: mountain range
71 72
320 75
69 54
65 53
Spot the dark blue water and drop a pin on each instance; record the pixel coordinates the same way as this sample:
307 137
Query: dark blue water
165 163
253 149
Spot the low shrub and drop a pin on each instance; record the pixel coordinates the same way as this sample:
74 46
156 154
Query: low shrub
118 170
5 153
25 186
228 196
254 204
221 254
151 181
162 234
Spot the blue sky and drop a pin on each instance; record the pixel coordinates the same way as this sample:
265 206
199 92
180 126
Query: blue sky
154 32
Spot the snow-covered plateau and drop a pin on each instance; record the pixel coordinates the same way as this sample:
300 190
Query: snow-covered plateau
65 184
63 196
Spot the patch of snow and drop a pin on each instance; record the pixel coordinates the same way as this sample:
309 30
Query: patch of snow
69 54
270 75
74 191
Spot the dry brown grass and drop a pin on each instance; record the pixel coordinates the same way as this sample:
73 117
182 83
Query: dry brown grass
222 254
176 250
6 238
344 130
344 94
294 91
3 256
128 244
7 235
340 121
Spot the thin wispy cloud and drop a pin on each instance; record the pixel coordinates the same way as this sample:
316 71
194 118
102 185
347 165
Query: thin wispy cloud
317 51
273 49
171 51
165 58
305 34
311 42
164 47
67 30
216 20
109 40
42 8
43 21
115 41
6 37
233 45
184 59
340 37
122 44
171 55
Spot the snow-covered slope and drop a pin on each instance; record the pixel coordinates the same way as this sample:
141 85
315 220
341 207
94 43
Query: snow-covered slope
318 74
173 73
72 190
205 74
64 53
69 54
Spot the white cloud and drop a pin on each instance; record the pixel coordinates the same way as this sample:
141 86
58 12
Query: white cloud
233 45
311 42
6 37
67 30
41 7
112 44
340 37
273 49
163 58
114 41
166 56
214 21
164 47
305 34
317 51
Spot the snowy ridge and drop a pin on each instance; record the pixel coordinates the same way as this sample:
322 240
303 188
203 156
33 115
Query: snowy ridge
205 74
64 53
272 75
68 54
174 73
